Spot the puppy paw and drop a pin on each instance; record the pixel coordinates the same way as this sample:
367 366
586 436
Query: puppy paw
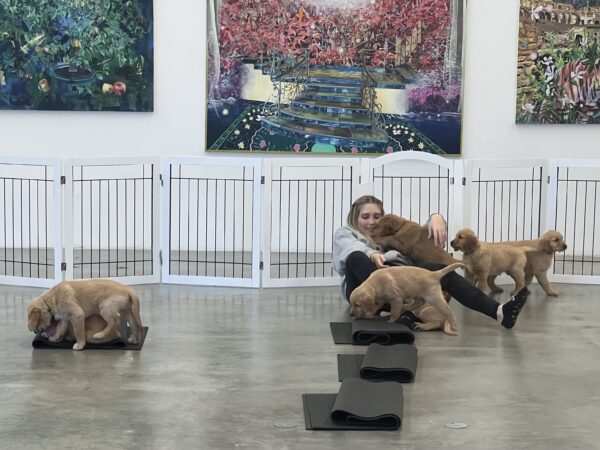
78 346
55 339
552 293
98 336
133 340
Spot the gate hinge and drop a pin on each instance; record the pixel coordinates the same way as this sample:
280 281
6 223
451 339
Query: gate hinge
63 266
548 179
464 181
63 179
262 179
161 180
451 180
261 265
160 256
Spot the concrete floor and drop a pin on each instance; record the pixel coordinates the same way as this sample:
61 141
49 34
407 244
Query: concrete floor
225 369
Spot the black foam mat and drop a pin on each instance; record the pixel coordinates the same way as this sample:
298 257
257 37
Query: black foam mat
367 331
41 342
359 405
381 363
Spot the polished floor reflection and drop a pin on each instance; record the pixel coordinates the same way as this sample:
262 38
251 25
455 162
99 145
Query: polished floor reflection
225 369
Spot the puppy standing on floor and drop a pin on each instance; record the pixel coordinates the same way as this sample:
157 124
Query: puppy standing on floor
539 259
72 302
403 288
485 260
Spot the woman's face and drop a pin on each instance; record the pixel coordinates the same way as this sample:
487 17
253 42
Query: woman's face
368 216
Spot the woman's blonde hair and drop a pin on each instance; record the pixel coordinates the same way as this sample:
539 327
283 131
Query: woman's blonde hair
352 219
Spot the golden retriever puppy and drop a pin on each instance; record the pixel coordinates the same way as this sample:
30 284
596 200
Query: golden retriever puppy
539 259
484 260
410 239
404 287
69 303
93 325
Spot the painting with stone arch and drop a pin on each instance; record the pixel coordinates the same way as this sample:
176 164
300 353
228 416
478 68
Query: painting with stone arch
334 76
558 72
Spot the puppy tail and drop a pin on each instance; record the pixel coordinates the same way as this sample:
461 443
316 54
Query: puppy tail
448 329
448 269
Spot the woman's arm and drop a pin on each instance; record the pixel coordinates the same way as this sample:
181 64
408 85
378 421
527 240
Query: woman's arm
344 243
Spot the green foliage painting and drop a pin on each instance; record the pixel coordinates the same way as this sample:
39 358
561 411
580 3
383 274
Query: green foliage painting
79 55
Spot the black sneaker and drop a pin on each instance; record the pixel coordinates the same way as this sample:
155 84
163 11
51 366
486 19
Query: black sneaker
512 308
409 319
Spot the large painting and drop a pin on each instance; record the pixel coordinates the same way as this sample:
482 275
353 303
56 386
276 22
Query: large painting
334 76
558 74
76 55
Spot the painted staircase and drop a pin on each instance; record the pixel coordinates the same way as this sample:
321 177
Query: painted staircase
330 109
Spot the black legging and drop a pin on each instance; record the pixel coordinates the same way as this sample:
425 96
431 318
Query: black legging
359 267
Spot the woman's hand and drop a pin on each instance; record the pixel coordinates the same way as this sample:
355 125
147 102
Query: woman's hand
379 260
437 230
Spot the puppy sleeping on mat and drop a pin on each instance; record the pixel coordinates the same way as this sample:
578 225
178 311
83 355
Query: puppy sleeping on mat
70 306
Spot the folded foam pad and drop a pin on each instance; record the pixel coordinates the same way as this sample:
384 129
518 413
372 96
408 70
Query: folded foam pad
41 342
359 405
367 331
381 363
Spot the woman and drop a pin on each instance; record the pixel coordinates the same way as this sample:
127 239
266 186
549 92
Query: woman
356 256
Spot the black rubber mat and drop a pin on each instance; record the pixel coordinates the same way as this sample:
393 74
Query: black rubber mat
381 363
41 342
359 405
367 331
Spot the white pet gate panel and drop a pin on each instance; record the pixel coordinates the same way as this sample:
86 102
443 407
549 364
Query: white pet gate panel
305 203
30 221
112 219
505 200
574 210
211 225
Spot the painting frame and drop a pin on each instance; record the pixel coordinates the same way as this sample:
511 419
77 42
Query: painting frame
558 65
419 101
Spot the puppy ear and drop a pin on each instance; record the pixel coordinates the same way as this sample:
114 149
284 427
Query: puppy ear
470 241
388 226
545 245
32 319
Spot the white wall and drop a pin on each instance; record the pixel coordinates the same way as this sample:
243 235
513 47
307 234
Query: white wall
177 124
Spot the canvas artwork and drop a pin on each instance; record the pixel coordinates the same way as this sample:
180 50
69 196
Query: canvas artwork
558 74
334 76
76 55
